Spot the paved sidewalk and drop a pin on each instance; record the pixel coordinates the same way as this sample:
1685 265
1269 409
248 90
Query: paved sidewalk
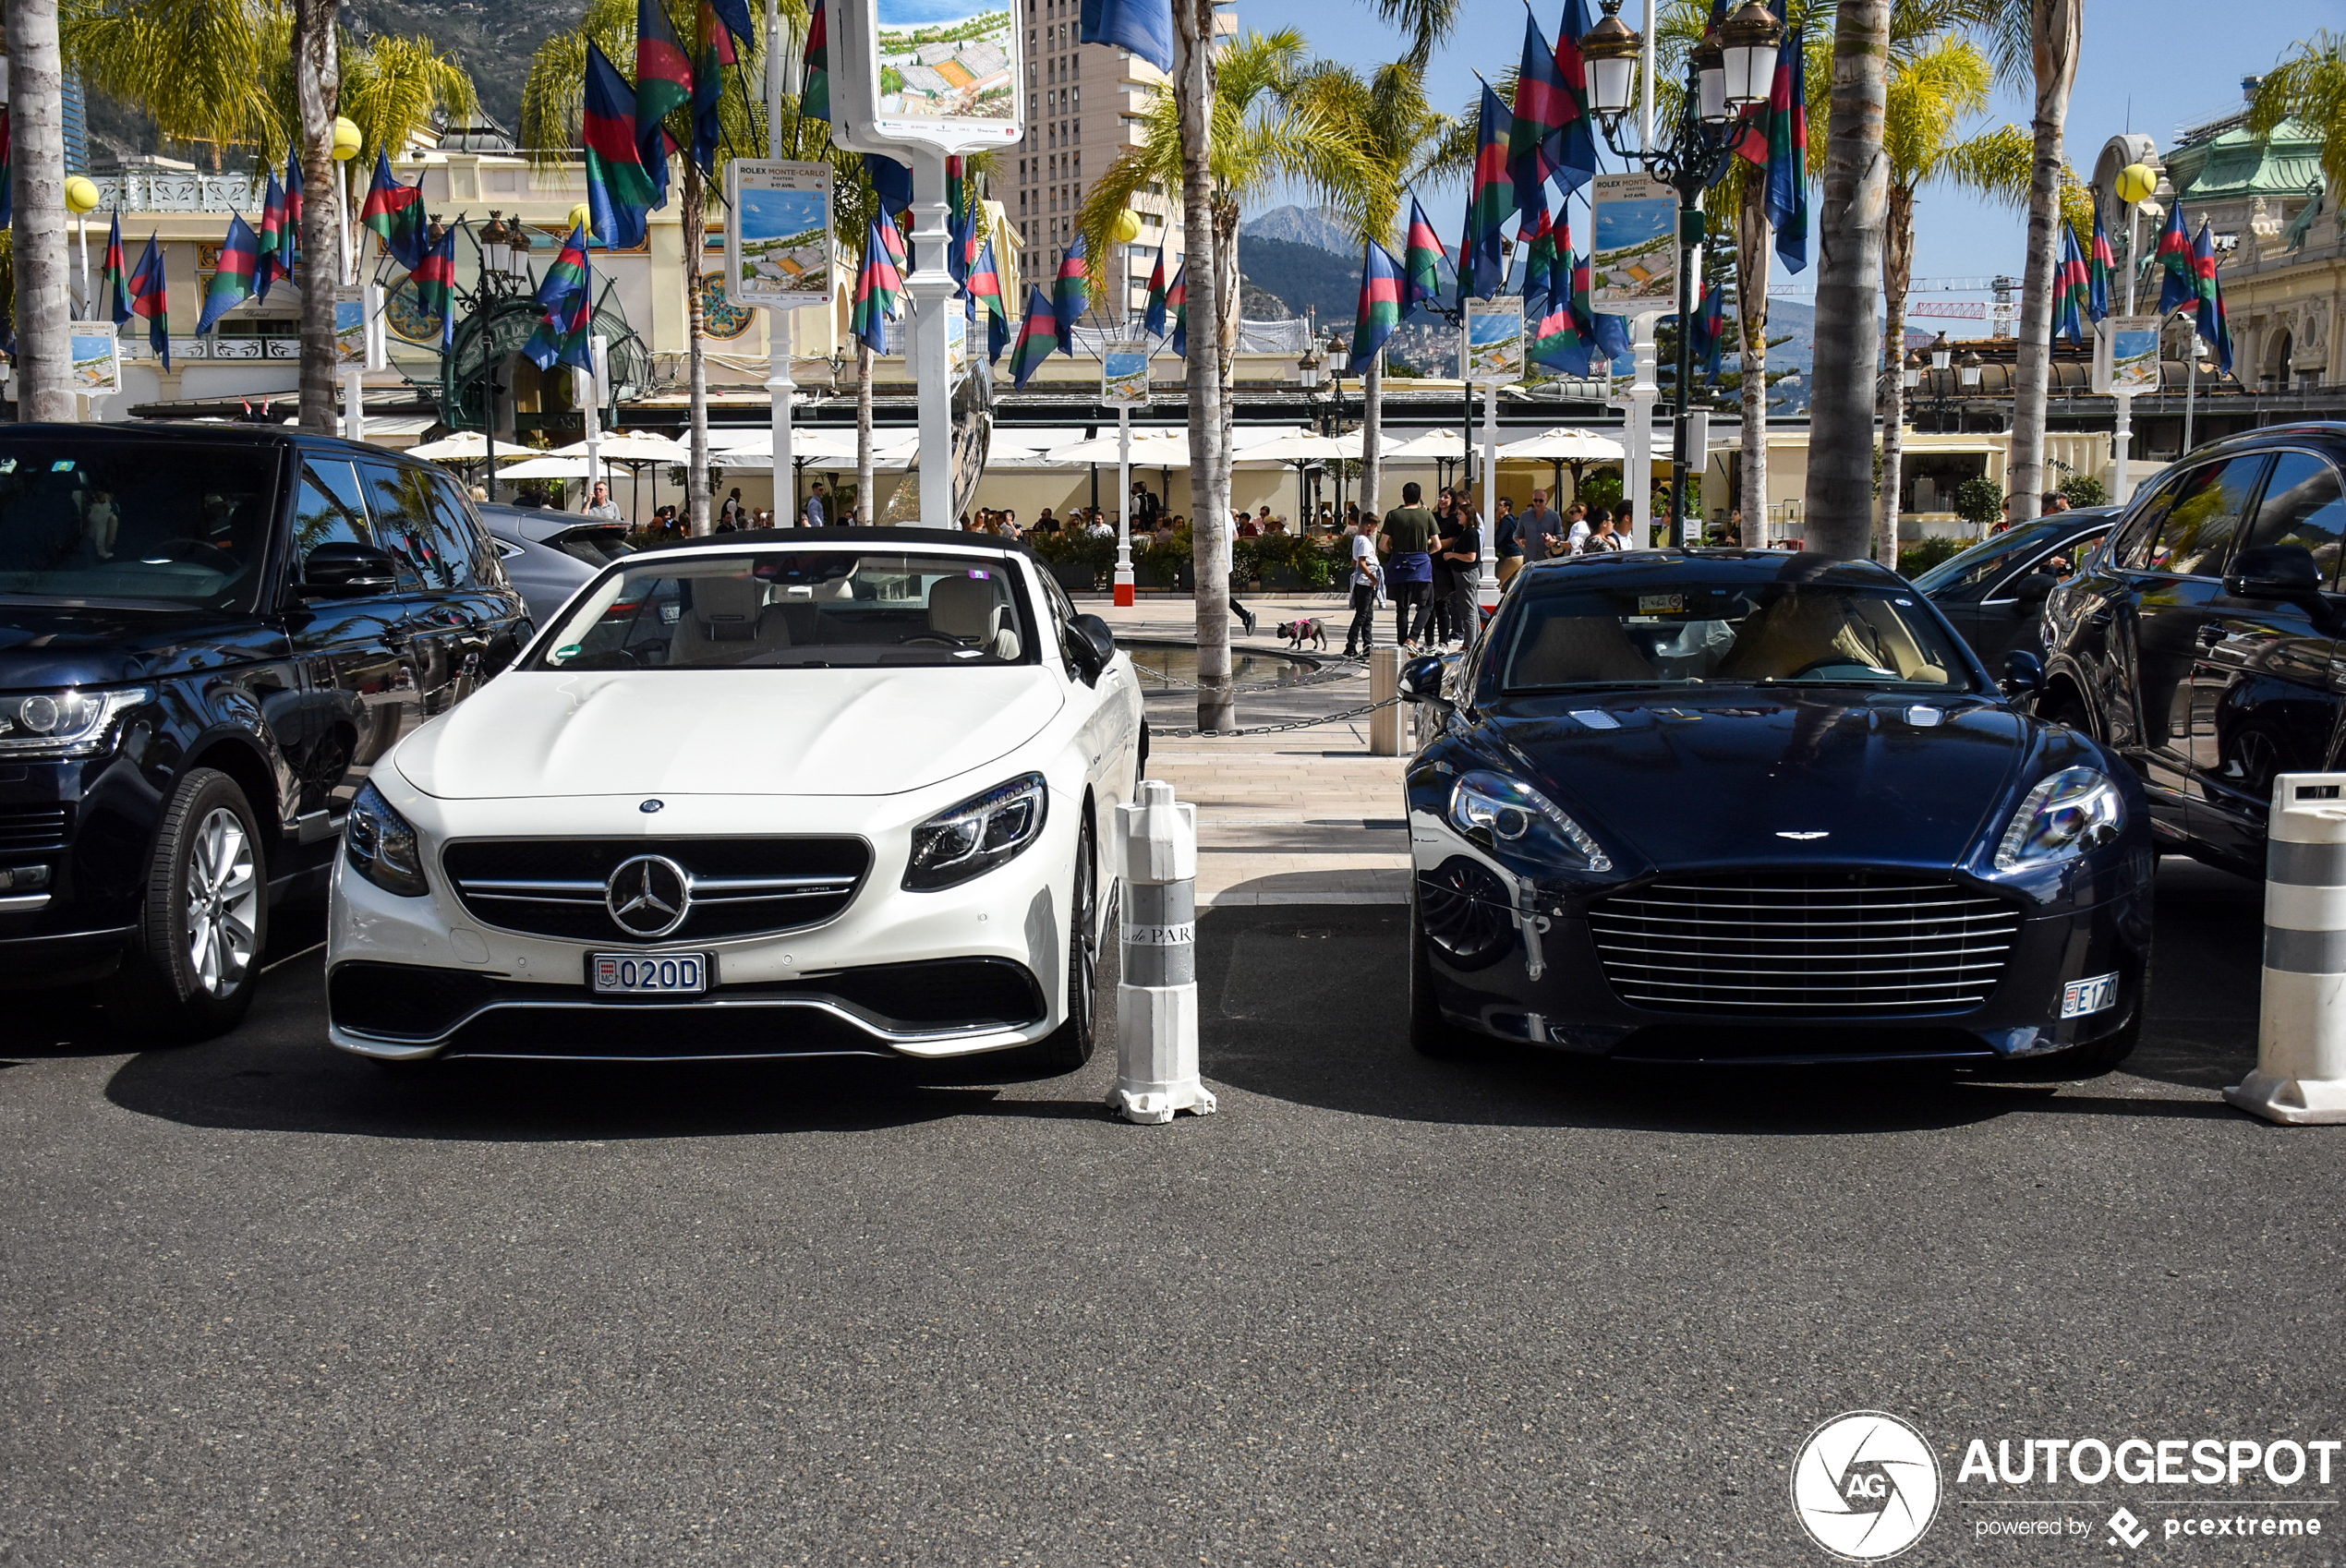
1304 816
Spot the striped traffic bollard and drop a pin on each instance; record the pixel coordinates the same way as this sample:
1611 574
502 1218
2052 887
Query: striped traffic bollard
2301 1034
1156 996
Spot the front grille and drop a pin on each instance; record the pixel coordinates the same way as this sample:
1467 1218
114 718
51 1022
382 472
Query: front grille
32 830
740 887
1778 945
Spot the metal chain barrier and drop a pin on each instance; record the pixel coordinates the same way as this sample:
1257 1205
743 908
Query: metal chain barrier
1349 713
1337 669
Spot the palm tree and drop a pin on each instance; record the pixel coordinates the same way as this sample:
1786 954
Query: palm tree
2035 43
1849 217
392 87
43 297
2310 86
317 71
551 104
1381 135
1936 81
201 69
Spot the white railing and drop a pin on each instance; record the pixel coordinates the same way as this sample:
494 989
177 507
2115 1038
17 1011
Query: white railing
179 192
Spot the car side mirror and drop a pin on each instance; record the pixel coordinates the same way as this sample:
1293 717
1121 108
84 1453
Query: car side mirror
1421 681
2024 674
2035 587
1091 644
2274 572
343 569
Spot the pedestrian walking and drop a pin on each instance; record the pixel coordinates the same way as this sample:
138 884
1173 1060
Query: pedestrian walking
1462 552
1405 542
1583 524
600 504
1366 579
813 509
1538 531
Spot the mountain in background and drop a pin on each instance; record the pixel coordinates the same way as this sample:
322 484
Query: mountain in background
1300 226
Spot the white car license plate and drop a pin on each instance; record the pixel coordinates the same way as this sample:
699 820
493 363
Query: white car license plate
2080 997
647 974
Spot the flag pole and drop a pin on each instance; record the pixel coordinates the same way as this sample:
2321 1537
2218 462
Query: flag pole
780 387
2121 433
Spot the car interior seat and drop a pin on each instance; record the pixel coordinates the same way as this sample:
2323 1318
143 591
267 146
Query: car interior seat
1787 636
1570 648
727 622
966 608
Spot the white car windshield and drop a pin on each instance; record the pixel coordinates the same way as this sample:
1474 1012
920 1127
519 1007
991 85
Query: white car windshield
814 609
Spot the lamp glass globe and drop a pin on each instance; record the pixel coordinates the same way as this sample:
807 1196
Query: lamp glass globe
81 194
348 139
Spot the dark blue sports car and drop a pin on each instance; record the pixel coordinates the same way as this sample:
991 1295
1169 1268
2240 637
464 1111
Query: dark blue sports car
1751 806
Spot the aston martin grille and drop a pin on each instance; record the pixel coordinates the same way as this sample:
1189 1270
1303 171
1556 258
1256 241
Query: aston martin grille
735 887
1815 946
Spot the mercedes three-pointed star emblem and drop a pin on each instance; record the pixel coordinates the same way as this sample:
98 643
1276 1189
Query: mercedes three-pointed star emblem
649 896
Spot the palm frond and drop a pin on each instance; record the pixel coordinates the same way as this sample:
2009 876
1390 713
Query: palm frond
2309 86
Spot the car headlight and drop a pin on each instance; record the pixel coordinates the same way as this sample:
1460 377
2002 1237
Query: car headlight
64 724
978 835
381 847
2076 810
1514 817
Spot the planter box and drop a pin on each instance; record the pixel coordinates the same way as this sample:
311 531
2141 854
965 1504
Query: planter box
1281 578
1075 575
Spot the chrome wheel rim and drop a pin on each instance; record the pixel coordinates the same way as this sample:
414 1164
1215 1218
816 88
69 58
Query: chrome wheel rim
222 901
1087 942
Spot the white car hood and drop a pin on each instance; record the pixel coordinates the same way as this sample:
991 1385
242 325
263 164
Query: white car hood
727 731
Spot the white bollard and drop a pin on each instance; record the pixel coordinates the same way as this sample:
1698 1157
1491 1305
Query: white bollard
2301 1036
1156 996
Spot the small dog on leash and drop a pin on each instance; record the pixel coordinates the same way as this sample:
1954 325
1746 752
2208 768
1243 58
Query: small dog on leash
1309 630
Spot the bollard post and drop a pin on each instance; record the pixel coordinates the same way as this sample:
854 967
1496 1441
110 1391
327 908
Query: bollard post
1157 994
1384 684
2300 1032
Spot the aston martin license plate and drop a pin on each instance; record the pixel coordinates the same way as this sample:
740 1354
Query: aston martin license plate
647 974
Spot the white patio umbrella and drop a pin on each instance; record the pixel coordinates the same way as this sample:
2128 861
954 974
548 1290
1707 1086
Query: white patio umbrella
1566 446
806 443
464 446
633 446
1151 449
1296 448
544 467
1430 446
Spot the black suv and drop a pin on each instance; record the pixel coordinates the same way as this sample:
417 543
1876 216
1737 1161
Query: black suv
207 636
2203 640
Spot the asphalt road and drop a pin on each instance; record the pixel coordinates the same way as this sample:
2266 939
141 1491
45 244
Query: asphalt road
262 1303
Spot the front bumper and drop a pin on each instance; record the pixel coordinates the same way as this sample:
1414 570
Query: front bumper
972 968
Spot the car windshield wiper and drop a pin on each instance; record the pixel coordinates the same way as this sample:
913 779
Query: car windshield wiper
1602 686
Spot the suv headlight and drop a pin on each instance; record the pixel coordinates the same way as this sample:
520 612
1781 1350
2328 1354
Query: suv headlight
978 835
2076 810
381 846
1513 816
64 724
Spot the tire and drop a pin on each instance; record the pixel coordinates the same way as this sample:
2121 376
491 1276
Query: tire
1068 1047
2095 1057
2069 709
1430 1034
204 922
1140 768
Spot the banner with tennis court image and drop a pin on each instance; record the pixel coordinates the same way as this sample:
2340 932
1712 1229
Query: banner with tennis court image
778 233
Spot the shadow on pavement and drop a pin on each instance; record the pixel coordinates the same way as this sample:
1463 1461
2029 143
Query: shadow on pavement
1310 1004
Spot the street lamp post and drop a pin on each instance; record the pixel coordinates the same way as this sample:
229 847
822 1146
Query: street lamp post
504 248
1730 68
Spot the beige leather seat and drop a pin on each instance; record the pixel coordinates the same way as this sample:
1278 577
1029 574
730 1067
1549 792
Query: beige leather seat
966 607
727 623
1789 635
1570 649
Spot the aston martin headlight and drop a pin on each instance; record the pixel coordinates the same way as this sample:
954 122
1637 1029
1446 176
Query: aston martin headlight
1515 818
64 724
978 835
2076 810
381 845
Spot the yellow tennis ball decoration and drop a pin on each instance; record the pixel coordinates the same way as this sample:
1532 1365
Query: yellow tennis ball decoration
2136 181
580 218
81 194
1128 227
347 140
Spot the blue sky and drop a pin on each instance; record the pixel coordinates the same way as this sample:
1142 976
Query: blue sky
2158 63
771 214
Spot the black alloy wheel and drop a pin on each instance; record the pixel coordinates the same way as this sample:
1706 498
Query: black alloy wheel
204 922
1430 1034
1069 1046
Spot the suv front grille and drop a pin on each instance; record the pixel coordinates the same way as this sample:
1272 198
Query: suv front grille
739 887
1777 945
32 831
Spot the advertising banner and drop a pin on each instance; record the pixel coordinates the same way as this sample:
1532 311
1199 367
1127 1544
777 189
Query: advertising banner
1124 377
1493 331
942 75
1633 259
97 360
350 331
778 233
2126 355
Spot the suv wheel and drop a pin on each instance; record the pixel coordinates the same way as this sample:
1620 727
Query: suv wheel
2069 709
1429 1032
206 917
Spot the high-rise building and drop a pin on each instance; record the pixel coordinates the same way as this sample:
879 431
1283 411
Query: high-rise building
1070 145
76 118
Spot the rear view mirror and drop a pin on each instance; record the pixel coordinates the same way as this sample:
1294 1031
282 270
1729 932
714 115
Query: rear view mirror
1421 681
1091 644
2035 588
2274 572
2024 674
343 569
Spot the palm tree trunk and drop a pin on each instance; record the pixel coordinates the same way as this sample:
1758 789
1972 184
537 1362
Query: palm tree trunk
2056 32
1840 493
316 84
865 512
1371 432
1209 468
690 236
1753 236
1897 270
45 288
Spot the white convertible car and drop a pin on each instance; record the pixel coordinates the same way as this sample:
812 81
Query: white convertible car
834 790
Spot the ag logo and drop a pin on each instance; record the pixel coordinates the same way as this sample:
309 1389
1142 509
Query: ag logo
1866 1485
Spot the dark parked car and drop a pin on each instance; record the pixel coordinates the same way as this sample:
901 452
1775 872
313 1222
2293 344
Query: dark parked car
207 638
2202 642
1993 594
551 555
1753 806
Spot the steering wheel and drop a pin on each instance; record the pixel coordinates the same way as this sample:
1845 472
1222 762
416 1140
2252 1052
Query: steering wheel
941 639
1836 660
201 552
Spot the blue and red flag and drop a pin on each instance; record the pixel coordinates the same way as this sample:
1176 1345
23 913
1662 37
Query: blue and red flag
1379 308
232 283
2073 289
435 283
879 288
117 276
563 292
1145 27
1153 323
1071 294
1535 136
712 52
292 255
619 188
1576 165
1037 336
1176 300
2099 267
2211 323
1537 237
276 240
2181 286
1776 139
395 212
814 98
150 297
1709 331
663 84
1421 258
1490 202
891 182
985 290
734 14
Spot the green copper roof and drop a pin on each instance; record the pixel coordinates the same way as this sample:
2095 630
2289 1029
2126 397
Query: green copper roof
2232 162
